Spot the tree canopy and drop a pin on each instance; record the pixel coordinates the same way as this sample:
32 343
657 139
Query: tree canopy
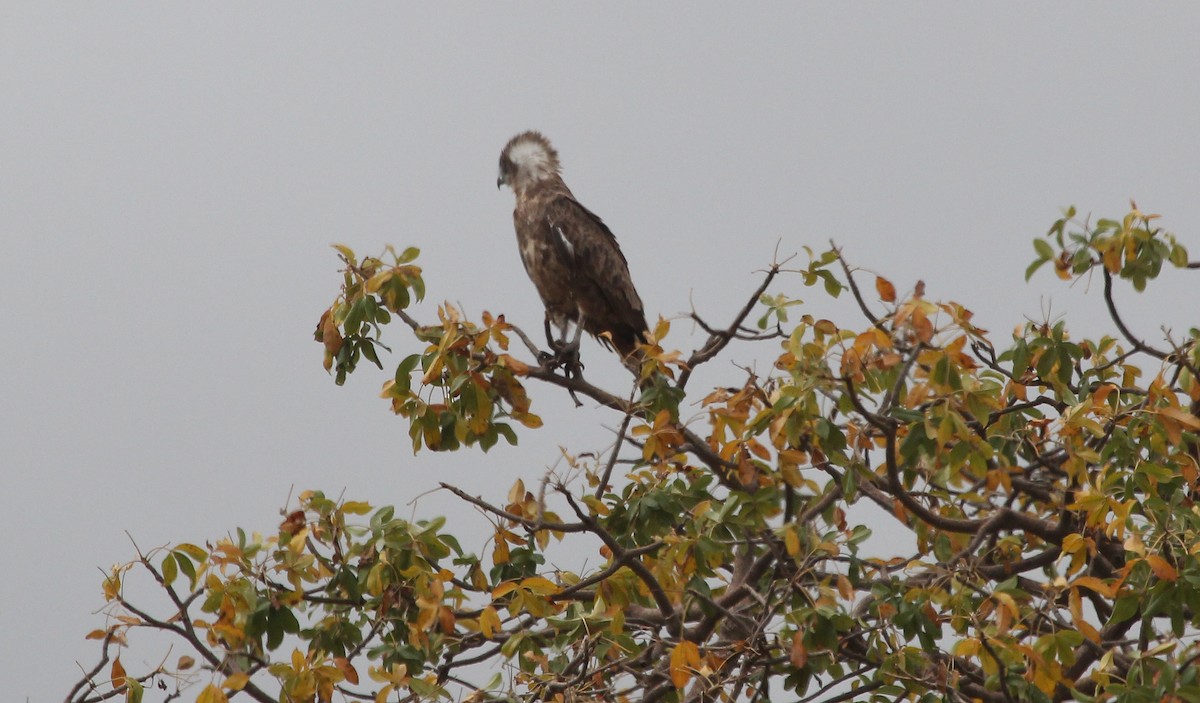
1044 484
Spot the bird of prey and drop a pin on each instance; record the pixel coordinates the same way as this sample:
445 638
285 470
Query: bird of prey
570 255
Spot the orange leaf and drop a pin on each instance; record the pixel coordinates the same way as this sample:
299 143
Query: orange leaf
887 292
118 672
1181 416
798 653
921 325
331 337
518 367
1100 395
446 620
347 669
1094 584
1162 568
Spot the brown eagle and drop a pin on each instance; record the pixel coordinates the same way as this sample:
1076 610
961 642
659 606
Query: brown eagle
569 253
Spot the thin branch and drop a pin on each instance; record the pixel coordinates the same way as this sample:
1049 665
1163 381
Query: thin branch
520 520
612 457
858 298
719 339
617 565
1116 317
619 552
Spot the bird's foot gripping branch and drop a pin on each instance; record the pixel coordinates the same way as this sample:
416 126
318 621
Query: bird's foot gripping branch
1031 499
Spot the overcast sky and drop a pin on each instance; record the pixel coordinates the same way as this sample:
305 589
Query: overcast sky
171 176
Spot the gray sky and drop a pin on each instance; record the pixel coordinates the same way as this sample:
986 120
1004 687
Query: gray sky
171 176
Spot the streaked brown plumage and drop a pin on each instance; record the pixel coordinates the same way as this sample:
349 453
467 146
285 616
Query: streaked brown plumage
569 253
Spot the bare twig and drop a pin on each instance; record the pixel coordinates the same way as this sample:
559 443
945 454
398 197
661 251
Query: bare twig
1116 318
719 339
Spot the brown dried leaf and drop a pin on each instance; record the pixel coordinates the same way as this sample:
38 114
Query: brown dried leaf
118 672
294 523
887 291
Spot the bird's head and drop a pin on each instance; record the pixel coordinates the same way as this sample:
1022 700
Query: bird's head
527 159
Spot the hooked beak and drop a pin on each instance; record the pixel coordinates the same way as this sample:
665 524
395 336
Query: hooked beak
499 182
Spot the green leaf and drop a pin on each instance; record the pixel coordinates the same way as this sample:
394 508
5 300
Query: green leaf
191 550
1043 249
1032 268
368 350
188 569
1124 609
507 432
170 570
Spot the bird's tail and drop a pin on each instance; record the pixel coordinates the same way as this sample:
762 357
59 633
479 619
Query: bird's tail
628 344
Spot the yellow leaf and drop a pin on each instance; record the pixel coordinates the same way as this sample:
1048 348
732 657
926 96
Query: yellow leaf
344 251
517 493
374 283
185 662
685 658
383 694
967 647
212 694
112 585
489 622
661 328
539 585
237 682
791 541
397 674
501 553
96 635
191 550
504 589
356 507
530 420
296 544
